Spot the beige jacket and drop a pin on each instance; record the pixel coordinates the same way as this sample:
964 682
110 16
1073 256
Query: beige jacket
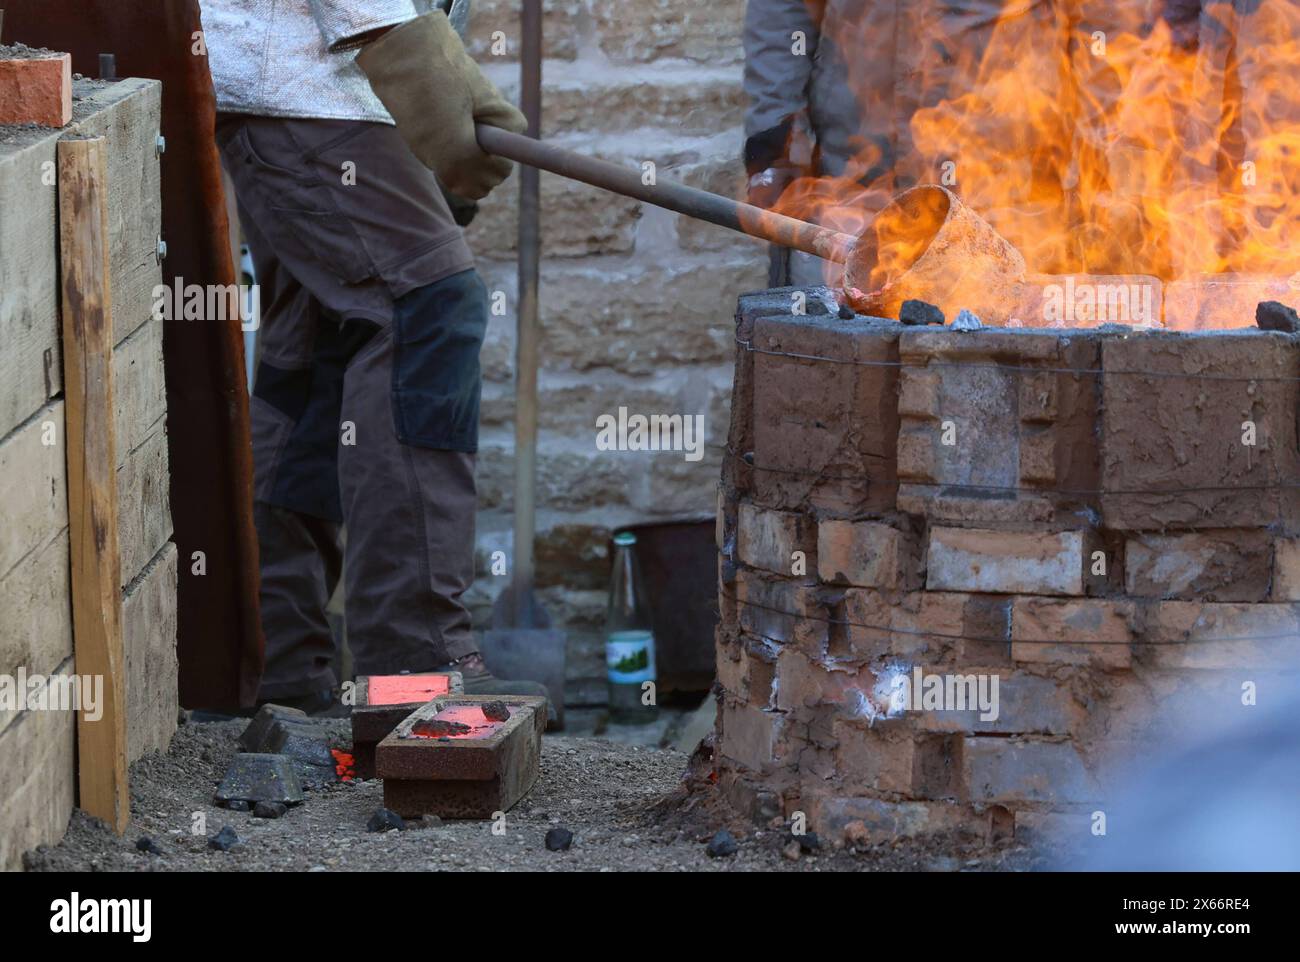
290 58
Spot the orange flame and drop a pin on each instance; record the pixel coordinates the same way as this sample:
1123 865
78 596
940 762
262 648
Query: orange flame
1095 136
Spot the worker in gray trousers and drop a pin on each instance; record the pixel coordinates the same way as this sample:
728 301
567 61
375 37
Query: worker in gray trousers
366 395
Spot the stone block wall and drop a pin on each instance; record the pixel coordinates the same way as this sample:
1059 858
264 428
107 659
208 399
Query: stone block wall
1103 519
635 301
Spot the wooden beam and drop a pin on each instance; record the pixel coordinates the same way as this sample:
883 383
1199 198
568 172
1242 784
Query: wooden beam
84 244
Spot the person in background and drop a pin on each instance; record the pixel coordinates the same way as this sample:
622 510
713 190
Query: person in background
366 396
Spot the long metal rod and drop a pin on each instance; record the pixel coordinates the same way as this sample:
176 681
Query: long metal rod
530 251
823 242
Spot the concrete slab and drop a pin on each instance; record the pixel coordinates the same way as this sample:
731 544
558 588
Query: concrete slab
451 760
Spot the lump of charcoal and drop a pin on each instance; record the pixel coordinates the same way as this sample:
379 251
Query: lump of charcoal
558 840
496 711
721 845
920 312
224 840
146 844
385 820
269 810
438 728
1275 316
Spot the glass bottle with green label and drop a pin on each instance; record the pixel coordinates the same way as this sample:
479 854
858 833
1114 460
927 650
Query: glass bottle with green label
629 639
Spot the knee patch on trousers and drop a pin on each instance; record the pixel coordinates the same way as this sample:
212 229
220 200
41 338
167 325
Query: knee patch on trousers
295 453
437 334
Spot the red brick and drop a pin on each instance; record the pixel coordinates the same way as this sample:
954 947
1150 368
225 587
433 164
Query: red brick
781 611
37 91
866 554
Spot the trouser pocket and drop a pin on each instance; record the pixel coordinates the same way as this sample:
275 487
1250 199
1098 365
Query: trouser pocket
437 333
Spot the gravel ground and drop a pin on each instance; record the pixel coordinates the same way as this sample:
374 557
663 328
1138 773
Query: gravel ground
627 805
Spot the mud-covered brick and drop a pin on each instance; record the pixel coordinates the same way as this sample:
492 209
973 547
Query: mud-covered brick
469 774
255 737
260 778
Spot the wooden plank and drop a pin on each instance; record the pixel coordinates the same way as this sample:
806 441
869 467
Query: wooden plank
143 488
127 114
37 755
149 629
36 630
86 303
30 368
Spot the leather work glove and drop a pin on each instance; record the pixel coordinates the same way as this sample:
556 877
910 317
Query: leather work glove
436 94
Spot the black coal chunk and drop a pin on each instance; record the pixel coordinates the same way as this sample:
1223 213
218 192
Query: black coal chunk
146 844
558 840
385 820
919 312
496 711
721 845
1275 316
224 840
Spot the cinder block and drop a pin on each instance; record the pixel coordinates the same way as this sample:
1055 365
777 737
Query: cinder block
1005 562
384 701
1014 770
1206 566
449 759
1178 411
769 539
1090 631
36 89
866 554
